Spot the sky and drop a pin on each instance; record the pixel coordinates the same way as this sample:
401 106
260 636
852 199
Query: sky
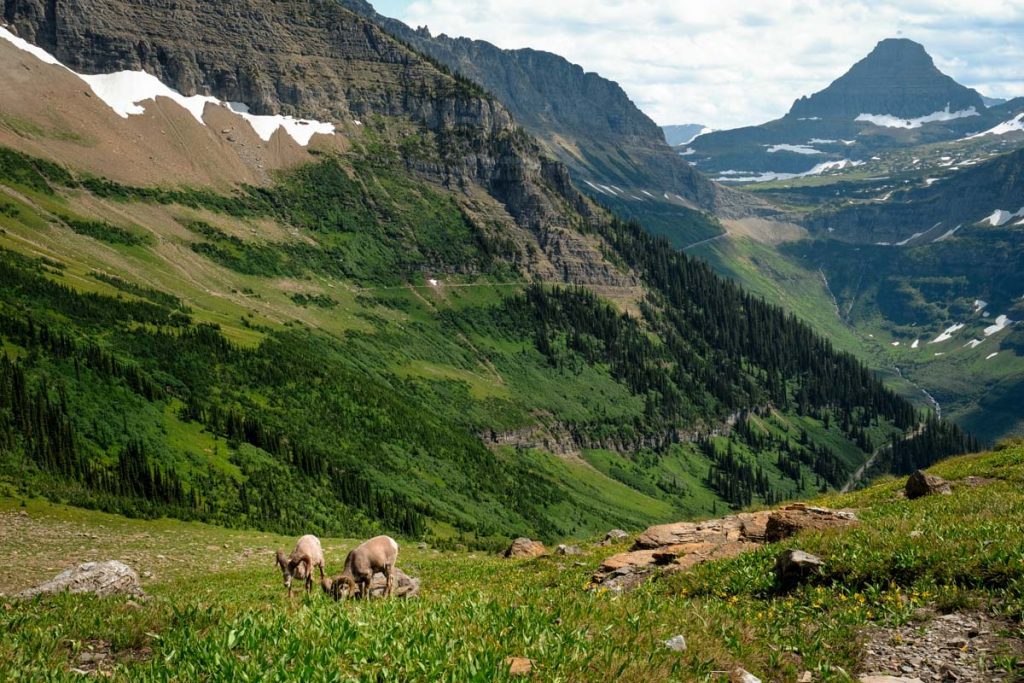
729 63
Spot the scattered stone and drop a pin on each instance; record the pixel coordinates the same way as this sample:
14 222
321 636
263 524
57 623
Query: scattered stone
740 675
405 586
916 533
421 546
676 643
942 649
98 578
795 566
614 536
147 575
568 550
23 514
888 679
524 547
921 484
519 666
805 677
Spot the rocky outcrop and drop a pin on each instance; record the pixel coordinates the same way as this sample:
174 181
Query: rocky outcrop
798 517
921 484
97 578
525 548
680 546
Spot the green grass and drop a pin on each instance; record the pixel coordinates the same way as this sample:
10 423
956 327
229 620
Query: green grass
229 618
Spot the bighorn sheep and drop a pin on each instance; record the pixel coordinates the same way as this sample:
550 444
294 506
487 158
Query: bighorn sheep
379 554
300 563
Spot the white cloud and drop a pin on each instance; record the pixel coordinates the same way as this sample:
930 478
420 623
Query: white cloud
727 63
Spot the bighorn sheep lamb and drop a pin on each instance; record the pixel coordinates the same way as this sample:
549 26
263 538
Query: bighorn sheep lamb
379 554
300 563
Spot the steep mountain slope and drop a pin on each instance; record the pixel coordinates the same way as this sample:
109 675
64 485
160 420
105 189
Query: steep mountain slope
416 323
893 98
614 151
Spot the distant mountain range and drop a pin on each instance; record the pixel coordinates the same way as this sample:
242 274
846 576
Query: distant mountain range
895 97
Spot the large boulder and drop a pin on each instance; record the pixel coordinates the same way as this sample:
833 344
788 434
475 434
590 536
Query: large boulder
97 578
525 547
921 484
798 517
795 566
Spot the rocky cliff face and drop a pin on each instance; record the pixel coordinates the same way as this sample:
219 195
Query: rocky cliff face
318 59
587 121
897 78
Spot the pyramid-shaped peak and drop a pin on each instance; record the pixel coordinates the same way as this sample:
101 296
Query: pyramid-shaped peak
898 78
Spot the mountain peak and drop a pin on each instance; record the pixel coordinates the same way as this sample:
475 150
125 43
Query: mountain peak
897 78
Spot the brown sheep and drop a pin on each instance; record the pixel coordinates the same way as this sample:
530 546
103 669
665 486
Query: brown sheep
307 555
378 554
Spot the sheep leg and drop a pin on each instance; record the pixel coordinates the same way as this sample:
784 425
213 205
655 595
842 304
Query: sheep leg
389 580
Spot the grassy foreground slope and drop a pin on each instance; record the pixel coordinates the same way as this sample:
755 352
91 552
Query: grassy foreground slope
218 612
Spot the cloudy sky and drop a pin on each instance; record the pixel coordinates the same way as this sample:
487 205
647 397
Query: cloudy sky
727 63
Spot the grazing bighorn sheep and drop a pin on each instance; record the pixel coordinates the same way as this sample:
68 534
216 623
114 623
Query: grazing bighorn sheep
300 563
379 554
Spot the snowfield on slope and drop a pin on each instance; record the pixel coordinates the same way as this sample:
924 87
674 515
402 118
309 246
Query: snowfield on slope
125 91
888 121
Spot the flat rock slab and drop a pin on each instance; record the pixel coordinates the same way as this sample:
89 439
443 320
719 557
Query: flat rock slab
682 545
97 578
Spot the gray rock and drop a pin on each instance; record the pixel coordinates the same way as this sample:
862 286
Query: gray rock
795 566
888 679
740 675
676 644
98 578
921 484
568 550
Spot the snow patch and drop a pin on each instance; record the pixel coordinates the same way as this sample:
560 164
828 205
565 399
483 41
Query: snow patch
909 239
797 149
595 187
1002 322
687 152
991 355
1014 125
895 343
916 344
948 333
1000 217
737 177
125 91
947 235
703 131
887 121
974 343
931 181
980 305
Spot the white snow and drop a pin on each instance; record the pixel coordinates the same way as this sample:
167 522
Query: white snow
947 235
980 305
703 131
991 355
819 141
948 334
125 91
916 344
595 187
1002 322
939 354
931 181
909 239
797 149
887 121
809 118
737 177
433 282
1014 125
896 343
974 343
648 194
687 152
1000 217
